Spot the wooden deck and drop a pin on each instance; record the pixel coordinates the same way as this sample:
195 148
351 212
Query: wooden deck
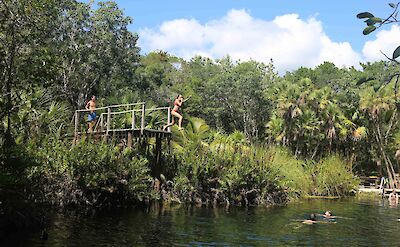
124 122
376 185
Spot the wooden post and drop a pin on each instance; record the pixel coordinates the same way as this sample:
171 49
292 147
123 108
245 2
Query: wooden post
133 119
129 144
157 157
101 122
76 127
169 119
143 116
108 122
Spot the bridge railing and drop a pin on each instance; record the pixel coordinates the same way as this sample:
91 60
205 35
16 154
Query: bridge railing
124 117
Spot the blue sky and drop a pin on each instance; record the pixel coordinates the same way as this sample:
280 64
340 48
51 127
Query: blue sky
338 17
283 27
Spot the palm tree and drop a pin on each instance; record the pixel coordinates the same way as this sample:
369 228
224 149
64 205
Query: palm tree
381 108
194 135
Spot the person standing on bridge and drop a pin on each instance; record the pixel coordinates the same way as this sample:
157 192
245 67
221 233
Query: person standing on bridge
176 113
91 106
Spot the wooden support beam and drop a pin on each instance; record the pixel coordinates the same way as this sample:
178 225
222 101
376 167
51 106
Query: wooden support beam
101 119
129 144
157 157
169 119
133 120
108 123
143 116
76 127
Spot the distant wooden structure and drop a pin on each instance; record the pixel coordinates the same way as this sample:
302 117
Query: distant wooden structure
376 185
126 123
127 120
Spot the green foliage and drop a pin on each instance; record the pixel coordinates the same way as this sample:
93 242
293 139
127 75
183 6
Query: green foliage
333 177
364 15
290 171
374 22
54 54
90 172
396 53
369 29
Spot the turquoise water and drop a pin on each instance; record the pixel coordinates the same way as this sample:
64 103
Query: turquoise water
367 223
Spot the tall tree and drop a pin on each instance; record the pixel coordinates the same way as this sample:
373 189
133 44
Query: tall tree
97 54
24 56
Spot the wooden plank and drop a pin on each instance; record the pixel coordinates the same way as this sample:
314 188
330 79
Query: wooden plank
76 127
129 139
157 108
133 120
111 106
158 131
143 116
108 123
169 119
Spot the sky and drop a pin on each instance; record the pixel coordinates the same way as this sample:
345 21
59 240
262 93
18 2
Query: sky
293 33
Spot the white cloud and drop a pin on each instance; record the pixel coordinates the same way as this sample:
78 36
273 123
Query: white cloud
290 41
386 41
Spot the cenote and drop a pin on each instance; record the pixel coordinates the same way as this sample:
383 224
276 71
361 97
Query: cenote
365 223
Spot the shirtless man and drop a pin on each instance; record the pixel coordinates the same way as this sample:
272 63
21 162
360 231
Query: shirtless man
91 105
176 113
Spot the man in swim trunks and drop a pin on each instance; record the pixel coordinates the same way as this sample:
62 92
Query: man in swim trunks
91 105
176 113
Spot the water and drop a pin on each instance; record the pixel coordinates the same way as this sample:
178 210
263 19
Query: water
368 223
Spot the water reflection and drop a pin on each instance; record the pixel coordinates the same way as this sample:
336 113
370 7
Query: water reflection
366 223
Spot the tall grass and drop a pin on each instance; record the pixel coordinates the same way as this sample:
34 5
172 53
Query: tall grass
332 176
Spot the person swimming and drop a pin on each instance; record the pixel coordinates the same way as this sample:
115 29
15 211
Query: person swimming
327 218
312 219
328 215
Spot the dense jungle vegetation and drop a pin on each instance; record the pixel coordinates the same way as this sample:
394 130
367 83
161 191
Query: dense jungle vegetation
251 136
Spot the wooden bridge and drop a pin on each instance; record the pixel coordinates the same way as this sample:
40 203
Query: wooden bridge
124 122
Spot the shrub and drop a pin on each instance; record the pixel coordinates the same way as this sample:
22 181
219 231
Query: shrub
89 173
333 177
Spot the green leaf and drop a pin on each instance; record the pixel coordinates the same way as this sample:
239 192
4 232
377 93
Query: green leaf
375 19
364 15
396 53
393 5
370 22
369 30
